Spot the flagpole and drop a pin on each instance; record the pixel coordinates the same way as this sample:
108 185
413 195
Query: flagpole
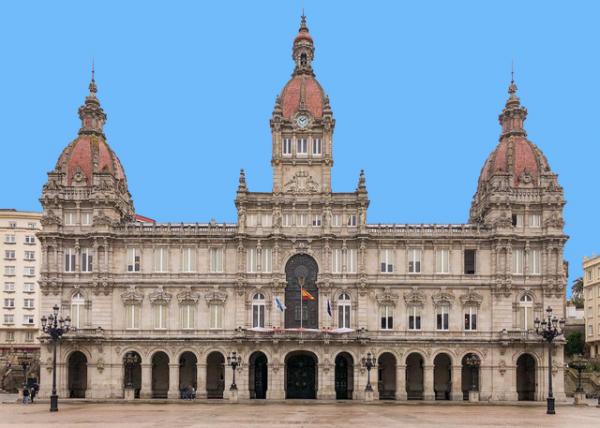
301 282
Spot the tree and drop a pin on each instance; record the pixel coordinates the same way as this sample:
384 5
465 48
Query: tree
575 343
577 293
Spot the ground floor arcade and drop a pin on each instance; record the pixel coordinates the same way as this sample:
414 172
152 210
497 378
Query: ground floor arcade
293 370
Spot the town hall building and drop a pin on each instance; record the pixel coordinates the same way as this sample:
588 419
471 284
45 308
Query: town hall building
302 288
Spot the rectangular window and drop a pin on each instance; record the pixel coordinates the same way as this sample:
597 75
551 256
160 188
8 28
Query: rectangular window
9 303
251 220
86 218
12 224
28 287
414 318
336 260
344 316
28 320
160 317
336 220
31 225
10 239
10 255
161 255
442 261
267 220
29 271
188 260
301 220
69 218
87 260
589 275
29 336
414 260
534 262
9 287
535 220
286 147
187 313
216 316
9 318
351 260
216 259
133 260
302 146
9 271
258 316
251 260
517 220
10 336
590 330
352 220
267 262
287 219
28 303
442 317
517 261
133 316
70 260
387 261
29 255
471 318
316 220
317 149
470 262
386 315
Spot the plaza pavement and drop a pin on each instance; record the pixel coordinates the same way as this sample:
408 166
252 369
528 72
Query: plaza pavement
293 414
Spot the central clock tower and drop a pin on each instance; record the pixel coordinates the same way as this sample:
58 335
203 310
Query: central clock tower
302 127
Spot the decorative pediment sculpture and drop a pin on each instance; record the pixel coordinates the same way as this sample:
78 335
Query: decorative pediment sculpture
160 296
443 298
472 298
387 298
51 219
302 182
188 296
102 219
215 297
415 298
132 296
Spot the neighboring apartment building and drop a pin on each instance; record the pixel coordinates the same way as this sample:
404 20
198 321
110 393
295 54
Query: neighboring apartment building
20 255
591 296
425 299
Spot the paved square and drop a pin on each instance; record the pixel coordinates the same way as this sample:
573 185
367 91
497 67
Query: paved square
356 415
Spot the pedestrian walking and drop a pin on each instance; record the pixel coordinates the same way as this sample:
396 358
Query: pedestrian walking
25 395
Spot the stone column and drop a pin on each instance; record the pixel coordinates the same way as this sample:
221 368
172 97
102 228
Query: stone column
456 391
173 381
428 394
401 382
200 380
485 382
326 377
146 390
276 389
242 378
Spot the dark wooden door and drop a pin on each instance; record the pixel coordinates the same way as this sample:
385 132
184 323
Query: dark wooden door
305 267
341 378
301 371
260 377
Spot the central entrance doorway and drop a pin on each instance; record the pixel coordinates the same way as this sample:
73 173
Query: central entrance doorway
344 376
258 376
301 375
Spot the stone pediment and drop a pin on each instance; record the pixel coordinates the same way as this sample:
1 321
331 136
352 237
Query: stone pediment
160 296
301 182
51 219
215 297
188 296
443 298
132 296
472 298
415 298
387 298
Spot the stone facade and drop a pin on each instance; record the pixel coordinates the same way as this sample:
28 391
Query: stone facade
419 298
591 296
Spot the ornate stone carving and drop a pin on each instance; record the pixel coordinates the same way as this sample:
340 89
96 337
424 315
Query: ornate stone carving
443 298
51 219
471 298
415 298
160 296
132 296
387 298
302 182
188 296
215 297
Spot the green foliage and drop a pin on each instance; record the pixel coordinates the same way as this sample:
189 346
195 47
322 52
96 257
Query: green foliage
575 343
577 293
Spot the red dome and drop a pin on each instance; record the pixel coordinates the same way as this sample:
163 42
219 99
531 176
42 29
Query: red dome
517 156
86 155
303 35
302 87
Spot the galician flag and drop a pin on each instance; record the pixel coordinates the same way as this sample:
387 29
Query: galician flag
280 305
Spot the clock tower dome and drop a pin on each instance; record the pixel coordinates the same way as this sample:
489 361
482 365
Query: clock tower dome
302 127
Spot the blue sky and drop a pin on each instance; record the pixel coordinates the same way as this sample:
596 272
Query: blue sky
415 87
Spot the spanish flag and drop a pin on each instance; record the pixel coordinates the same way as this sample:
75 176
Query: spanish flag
306 295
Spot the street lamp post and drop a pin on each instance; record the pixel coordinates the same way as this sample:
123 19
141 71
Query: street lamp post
234 360
55 327
131 360
368 363
549 329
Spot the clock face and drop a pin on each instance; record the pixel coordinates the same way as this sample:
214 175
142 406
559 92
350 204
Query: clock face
302 121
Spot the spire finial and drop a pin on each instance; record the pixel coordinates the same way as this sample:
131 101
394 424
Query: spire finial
303 26
242 187
93 88
512 88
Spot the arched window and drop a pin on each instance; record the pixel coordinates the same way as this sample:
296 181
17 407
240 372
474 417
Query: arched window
77 310
344 311
526 312
258 310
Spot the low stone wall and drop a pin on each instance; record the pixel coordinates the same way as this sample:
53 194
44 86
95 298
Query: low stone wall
590 381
